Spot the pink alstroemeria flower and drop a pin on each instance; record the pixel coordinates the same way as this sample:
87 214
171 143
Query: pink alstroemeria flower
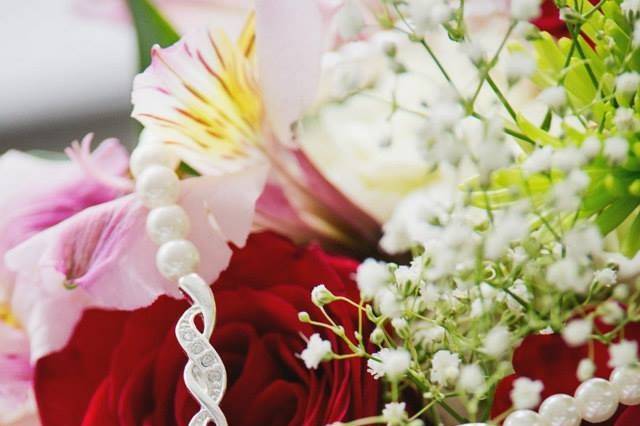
36 195
102 257
223 105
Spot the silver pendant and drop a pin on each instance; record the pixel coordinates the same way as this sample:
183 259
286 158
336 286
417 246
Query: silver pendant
204 374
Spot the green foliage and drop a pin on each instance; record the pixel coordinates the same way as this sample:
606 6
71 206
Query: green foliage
151 28
586 65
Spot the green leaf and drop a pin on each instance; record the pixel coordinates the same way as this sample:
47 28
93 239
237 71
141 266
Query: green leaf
631 241
152 28
616 213
536 133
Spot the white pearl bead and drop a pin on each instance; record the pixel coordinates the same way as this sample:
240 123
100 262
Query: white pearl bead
176 259
560 410
525 418
626 382
597 400
152 154
158 186
167 223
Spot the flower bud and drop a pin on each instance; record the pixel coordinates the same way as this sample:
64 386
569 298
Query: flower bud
377 336
321 296
586 368
401 327
304 317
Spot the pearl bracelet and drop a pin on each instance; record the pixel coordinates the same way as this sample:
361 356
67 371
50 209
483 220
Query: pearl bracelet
596 400
177 258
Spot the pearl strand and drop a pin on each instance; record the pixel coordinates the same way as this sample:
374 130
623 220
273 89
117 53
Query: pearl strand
596 400
177 258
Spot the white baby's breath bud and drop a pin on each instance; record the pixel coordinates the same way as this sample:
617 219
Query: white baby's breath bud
349 20
497 341
519 255
606 276
511 226
316 351
389 363
610 312
406 275
372 276
377 336
625 120
525 10
623 353
518 66
568 159
577 332
627 83
321 296
591 147
630 7
520 290
621 292
471 379
428 15
430 295
401 327
395 413
554 97
389 303
586 369
526 393
636 34
426 333
445 368
565 274
538 161
616 149
304 317
582 241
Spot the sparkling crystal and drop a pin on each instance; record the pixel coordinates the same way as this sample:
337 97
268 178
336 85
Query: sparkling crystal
188 335
207 360
197 347
215 375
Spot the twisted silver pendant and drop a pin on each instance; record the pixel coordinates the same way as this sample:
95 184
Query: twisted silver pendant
204 374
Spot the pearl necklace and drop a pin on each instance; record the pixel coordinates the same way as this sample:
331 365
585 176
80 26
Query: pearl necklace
596 400
177 258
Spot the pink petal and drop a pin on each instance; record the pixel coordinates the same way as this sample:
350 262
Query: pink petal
49 191
104 251
16 375
290 40
339 204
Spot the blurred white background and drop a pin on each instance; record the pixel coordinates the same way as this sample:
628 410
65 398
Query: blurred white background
67 66
63 73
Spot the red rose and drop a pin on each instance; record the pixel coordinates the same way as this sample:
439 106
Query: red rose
125 368
550 21
549 359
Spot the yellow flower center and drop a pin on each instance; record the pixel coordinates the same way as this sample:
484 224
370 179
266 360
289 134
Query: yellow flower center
7 317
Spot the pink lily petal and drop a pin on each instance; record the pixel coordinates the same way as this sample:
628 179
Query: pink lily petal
290 41
42 193
16 373
274 211
342 207
102 257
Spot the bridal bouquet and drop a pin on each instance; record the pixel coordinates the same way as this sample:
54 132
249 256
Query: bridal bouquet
347 212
